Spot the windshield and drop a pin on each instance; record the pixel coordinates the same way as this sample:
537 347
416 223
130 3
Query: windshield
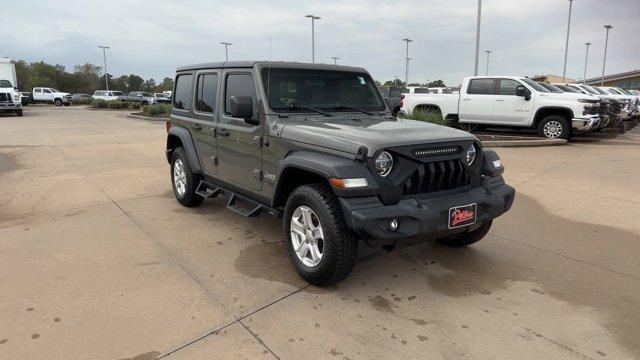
613 91
600 91
116 93
5 84
589 89
625 92
569 89
53 90
321 89
534 85
552 88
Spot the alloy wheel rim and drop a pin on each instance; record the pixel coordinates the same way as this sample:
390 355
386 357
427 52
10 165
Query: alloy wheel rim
307 236
552 129
179 177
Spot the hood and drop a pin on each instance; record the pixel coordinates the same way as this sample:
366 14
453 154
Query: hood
568 95
348 133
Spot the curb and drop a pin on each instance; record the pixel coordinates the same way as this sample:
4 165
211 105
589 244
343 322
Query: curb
523 143
150 118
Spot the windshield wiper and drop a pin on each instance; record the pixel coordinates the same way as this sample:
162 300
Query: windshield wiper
347 107
301 107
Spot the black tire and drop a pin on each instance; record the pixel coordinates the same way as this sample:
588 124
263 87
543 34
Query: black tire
144 103
57 102
467 238
67 104
554 122
339 244
189 198
19 112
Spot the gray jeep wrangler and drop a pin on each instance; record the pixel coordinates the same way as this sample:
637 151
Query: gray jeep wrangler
317 145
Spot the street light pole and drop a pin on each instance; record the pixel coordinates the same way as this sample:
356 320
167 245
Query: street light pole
488 52
406 67
586 56
335 60
106 73
313 36
606 43
226 49
475 71
566 46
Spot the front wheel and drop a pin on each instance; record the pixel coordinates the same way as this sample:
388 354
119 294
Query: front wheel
67 104
321 247
19 112
183 180
554 127
468 238
57 102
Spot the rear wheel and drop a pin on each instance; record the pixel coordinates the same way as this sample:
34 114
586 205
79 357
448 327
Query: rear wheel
183 181
467 238
321 247
554 127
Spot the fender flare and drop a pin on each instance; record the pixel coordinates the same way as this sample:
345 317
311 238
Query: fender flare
187 143
536 121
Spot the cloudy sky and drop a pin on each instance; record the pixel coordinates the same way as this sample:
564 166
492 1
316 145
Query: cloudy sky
153 37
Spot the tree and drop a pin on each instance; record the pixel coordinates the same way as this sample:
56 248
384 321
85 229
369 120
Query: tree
149 85
165 85
86 78
134 82
395 82
437 83
24 75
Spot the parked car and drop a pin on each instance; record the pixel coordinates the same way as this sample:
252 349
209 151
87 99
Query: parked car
513 102
603 104
142 97
393 93
107 95
80 97
25 98
631 100
613 105
162 98
10 98
47 95
317 145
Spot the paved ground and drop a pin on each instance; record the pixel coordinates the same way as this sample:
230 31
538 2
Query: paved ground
98 261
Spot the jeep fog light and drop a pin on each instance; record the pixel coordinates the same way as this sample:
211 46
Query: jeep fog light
471 154
348 183
393 225
384 163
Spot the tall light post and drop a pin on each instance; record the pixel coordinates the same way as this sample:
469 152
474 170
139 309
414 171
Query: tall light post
606 43
586 56
226 49
475 71
335 60
104 56
488 52
566 46
313 36
406 67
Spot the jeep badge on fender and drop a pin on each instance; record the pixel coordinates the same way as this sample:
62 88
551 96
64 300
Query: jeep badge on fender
331 161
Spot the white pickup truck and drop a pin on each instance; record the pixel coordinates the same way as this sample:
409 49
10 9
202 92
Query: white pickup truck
49 95
513 102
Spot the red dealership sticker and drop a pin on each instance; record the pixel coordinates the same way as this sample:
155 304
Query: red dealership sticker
462 215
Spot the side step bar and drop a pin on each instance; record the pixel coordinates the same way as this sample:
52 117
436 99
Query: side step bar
236 202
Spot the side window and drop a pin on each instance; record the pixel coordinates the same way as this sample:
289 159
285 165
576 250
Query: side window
239 85
47 91
481 86
206 92
508 87
38 90
183 94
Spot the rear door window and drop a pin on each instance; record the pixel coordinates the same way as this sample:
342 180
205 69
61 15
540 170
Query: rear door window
183 95
206 92
481 86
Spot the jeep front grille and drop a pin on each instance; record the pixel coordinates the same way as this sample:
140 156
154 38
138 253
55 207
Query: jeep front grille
436 176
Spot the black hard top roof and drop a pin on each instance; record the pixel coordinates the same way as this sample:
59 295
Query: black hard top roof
251 64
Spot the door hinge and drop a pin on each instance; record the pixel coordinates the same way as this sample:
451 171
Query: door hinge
257 173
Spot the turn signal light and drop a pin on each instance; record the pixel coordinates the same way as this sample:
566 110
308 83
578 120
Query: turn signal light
168 124
348 183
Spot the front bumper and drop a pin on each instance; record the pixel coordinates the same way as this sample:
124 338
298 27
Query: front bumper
10 106
586 123
428 217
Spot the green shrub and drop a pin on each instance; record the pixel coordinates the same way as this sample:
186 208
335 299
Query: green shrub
99 104
433 116
156 109
86 101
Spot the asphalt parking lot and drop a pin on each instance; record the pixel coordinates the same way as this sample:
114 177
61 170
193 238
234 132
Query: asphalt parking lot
98 261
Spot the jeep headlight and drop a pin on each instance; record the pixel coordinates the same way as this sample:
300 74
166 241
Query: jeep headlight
384 163
471 154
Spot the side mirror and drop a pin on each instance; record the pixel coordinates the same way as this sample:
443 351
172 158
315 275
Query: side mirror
241 107
523 92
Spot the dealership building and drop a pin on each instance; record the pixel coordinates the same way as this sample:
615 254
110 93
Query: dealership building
627 80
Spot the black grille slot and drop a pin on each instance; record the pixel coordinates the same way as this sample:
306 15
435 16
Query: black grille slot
436 176
4 97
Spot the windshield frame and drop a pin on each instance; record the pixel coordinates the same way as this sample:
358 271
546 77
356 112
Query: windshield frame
534 85
263 73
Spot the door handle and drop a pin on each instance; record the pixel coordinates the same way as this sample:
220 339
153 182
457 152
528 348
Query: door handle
196 126
499 99
222 132
466 99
